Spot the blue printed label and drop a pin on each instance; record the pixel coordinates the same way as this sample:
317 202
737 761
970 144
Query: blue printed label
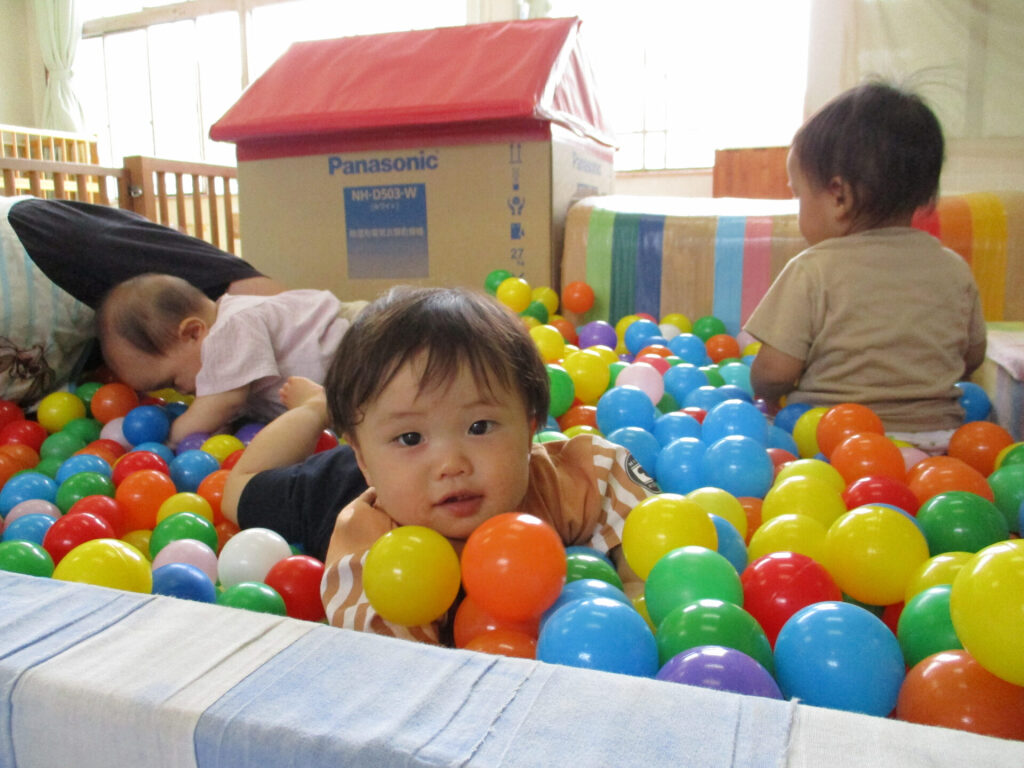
386 231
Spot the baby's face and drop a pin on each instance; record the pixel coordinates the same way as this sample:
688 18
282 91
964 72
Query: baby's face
449 458
177 368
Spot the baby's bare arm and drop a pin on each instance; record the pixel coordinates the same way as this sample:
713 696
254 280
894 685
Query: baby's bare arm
774 374
209 413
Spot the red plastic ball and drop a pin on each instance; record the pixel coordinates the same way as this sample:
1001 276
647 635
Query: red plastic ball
10 411
107 507
30 433
136 460
326 441
69 531
514 566
880 489
297 580
112 401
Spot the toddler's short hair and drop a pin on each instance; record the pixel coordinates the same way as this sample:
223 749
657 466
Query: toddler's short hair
145 311
882 140
454 327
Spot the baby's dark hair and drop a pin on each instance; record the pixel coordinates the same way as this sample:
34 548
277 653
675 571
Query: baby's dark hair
453 327
885 142
146 311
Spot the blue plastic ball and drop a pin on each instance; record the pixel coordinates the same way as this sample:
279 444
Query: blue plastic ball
680 380
599 633
740 465
974 400
584 588
705 397
734 417
731 545
625 406
737 375
31 527
26 485
672 426
83 462
680 466
638 333
190 468
787 417
146 424
691 348
159 449
841 656
780 438
185 581
642 444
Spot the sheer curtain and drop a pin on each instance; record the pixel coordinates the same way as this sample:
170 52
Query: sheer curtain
59 29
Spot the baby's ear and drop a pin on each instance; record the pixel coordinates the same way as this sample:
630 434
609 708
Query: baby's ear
192 329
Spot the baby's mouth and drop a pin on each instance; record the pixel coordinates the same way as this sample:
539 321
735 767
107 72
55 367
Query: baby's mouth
461 504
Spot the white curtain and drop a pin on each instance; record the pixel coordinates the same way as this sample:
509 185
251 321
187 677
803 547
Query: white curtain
59 28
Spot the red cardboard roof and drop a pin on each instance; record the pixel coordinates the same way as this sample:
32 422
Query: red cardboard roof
472 75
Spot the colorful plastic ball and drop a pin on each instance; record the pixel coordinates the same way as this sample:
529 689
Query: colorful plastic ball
250 554
660 524
690 348
85 428
31 527
248 431
722 346
579 589
184 501
191 552
686 575
978 443
719 502
578 297
674 425
563 391
32 507
57 409
952 690
937 474
841 656
253 596
536 311
189 468
80 485
112 401
61 445
26 485
974 400
777 585
734 417
805 430
550 343
141 493
30 433
191 442
713 622
960 521
183 581
69 531
678 321
105 507
731 544
495 278
514 293
471 621
680 466
789 533
873 551
708 326
27 557
107 563
643 446
10 411
803 495
868 454
625 406
599 633
597 333
844 420
297 580
112 431
182 525
85 462
135 460
590 374
739 465
926 626
680 380
1007 486
935 571
638 333
411 575
20 455
514 566
504 642
146 424
644 377
880 489
987 605
722 669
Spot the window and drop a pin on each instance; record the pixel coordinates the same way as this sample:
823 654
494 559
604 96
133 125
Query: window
679 79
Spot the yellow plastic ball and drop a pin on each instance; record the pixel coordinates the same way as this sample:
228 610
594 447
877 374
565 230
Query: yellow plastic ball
1002 454
530 322
222 446
140 540
184 501
546 295
987 607
107 563
752 348
661 523
607 353
590 374
412 575
804 495
816 468
935 572
624 323
680 321
550 342
789 533
805 432
57 409
581 429
718 501
873 551
514 293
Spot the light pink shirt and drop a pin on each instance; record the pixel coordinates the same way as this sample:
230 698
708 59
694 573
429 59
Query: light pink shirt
262 340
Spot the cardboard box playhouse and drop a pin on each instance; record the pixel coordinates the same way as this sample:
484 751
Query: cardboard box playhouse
428 157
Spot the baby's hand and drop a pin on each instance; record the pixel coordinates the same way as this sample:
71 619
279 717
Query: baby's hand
298 390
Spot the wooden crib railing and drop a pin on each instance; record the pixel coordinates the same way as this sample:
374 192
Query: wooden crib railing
199 199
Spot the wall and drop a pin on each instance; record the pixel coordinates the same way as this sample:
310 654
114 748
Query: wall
21 70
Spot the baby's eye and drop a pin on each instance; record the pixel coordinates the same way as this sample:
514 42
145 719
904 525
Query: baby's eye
409 439
481 427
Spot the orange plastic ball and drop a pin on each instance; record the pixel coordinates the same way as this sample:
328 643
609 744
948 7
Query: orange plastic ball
211 488
112 401
578 297
471 621
938 474
141 494
504 642
844 420
721 347
579 415
868 453
514 566
566 328
978 443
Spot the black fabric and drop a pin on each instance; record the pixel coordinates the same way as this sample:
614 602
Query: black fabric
88 249
302 501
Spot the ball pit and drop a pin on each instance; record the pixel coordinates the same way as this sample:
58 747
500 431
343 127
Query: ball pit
746 554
